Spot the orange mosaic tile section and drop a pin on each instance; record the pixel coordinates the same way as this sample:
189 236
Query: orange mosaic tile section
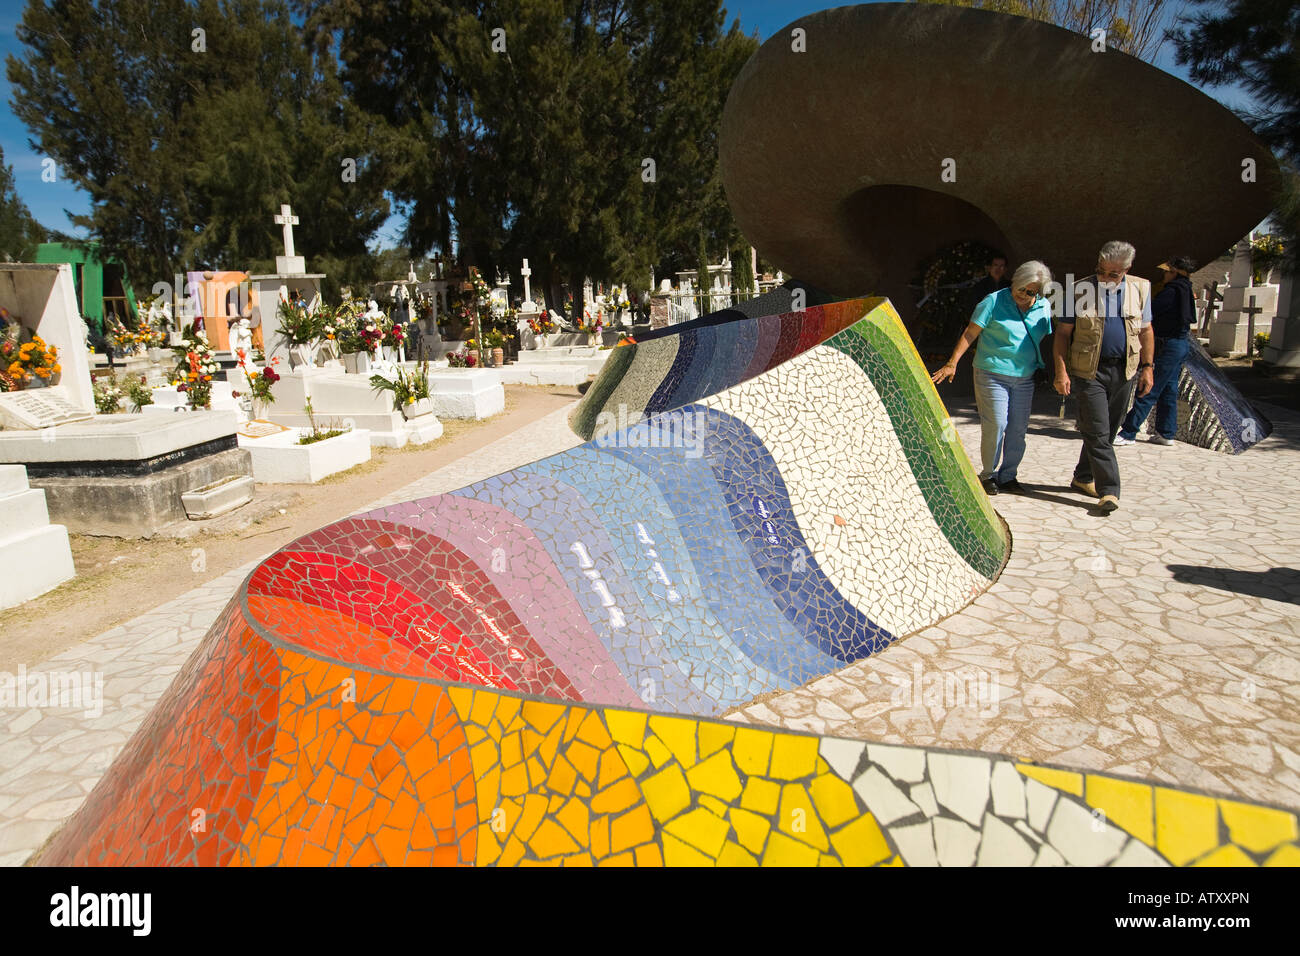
332 633
184 785
574 785
366 769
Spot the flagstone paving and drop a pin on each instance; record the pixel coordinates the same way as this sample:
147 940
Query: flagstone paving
1103 657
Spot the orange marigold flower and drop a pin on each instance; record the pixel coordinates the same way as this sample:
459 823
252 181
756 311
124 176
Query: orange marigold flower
58 367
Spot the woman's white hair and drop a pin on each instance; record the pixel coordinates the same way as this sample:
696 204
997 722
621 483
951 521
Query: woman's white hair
1117 251
1031 271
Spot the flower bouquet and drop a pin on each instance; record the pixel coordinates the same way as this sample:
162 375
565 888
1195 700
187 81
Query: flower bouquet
301 328
259 383
33 364
197 366
461 359
107 395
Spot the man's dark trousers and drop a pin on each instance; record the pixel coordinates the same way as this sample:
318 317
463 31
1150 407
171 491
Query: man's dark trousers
1103 402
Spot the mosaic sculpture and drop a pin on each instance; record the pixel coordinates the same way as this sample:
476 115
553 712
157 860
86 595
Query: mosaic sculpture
525 671
1212 413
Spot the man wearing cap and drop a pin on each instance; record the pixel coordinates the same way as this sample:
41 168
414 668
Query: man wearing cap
1102 347
1173 311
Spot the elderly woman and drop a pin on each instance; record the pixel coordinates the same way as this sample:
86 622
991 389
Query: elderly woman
1009 325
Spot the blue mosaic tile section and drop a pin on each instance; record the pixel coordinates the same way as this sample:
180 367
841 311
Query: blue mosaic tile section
649 545
760 509
736 594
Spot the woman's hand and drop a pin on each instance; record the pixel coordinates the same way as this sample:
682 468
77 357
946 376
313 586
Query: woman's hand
946 373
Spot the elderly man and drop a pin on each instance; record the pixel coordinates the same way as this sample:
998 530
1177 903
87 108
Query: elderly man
1102 346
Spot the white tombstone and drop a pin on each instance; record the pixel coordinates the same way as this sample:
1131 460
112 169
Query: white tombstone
1231 330
44 298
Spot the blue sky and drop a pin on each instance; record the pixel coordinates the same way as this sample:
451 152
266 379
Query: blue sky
48 201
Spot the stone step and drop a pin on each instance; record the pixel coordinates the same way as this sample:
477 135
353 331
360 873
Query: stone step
561 354
218 498
13 479
33 563
542 373
23 513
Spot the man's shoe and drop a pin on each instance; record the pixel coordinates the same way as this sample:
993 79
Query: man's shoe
1085 487
1012 487
990 486
1160 440
1108 503
1120 441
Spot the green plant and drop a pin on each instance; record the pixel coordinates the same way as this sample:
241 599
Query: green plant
1261 340
298 325
317 433
407 387
139 394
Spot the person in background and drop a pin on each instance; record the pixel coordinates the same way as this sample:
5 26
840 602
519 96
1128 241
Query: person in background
1102 347
1173 314
1009 325
995 278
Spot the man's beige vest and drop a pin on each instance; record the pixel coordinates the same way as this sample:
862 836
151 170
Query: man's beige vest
1090 319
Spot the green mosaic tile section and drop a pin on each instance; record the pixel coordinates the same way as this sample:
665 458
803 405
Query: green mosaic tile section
909 362
583 419
944 474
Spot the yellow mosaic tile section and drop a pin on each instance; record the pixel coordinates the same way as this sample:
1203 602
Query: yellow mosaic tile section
568 784
1184 827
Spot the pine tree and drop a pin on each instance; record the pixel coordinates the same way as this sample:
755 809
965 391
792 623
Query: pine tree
1256 44
189 124
19 231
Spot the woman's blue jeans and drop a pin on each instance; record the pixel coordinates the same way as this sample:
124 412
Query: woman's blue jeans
1003 402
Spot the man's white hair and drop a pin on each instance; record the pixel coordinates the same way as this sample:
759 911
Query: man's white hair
1118 252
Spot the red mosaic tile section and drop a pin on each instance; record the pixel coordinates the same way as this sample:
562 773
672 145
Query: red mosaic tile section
184 787
359 592
450 580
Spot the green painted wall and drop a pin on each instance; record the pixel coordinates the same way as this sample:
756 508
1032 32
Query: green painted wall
88 276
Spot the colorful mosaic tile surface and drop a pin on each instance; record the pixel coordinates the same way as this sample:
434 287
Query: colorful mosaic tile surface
1212 413
526 671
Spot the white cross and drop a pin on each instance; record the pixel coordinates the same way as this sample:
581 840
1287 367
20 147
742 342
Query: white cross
288 220
526 272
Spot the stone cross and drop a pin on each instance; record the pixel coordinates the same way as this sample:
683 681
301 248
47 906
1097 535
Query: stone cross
1251 311
288 220
526 272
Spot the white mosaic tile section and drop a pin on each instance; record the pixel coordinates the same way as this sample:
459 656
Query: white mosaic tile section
886 554
954 809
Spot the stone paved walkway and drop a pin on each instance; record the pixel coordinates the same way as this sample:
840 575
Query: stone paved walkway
1162 641
1158 642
